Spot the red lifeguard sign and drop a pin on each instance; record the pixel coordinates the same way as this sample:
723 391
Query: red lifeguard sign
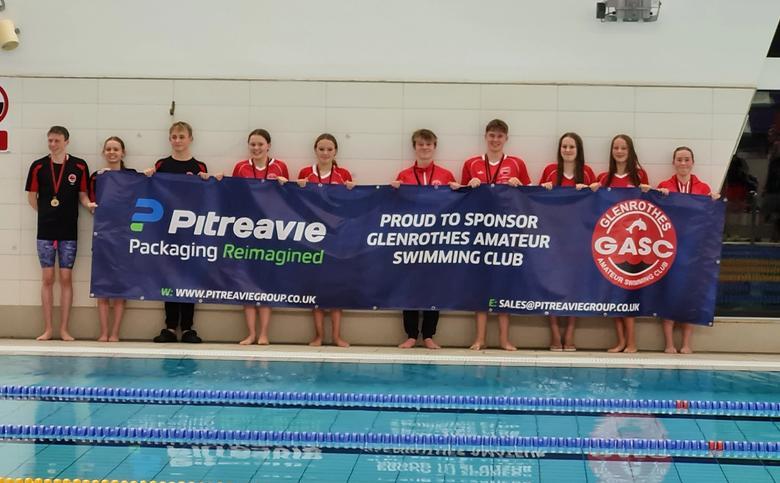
3 113
3 103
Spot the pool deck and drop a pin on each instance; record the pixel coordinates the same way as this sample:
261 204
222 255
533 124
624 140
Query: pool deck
369 354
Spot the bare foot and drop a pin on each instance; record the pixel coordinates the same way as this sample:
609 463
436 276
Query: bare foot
103 338
431 344
670 350
686 350
65 335
316 342
477 345
408 343
45 336
262 340
617 348
630 349
340 342
250 339
113 338
508 347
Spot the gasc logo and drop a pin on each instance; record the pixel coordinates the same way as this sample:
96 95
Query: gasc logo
634 244
148 210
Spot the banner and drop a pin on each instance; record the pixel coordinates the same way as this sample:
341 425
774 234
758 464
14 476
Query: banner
495 248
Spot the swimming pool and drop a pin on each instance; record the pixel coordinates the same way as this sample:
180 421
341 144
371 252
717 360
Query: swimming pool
536 436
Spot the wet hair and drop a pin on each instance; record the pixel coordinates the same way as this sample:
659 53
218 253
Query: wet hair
425 135
632 161
579 161
180 125
497 125
121 143
63 131
260 132
683 148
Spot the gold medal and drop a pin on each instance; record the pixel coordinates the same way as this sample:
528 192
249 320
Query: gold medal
55 202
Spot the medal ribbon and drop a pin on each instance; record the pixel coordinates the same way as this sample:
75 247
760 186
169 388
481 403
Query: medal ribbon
425 170
330 177
57 182
491 179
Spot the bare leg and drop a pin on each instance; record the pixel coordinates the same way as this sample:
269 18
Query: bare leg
319 317
630 335
668 326
249 316
687 330
66 301
621 336
265 320
119 310
335 316
103 309
47 301
568 338
555 334
503 333
479 340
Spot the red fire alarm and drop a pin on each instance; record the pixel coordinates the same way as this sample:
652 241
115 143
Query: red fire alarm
3 140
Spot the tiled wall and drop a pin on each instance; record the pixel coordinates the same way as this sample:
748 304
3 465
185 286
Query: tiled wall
372 121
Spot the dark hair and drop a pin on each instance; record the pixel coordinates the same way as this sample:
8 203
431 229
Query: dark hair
579 161
180 125
683 148
121 143
59 130
328 137
497 125
260 132
632 162
425 135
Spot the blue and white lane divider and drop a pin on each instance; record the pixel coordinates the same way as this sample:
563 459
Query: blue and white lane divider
499 446
413 402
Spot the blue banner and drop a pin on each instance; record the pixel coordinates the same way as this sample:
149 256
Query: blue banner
495 248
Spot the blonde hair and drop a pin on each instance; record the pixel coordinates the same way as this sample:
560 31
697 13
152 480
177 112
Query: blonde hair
180 126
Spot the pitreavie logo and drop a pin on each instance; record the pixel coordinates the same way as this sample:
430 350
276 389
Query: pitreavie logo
634 244
141 217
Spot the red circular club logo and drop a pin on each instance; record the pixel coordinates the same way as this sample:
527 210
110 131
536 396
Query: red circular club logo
3 103
634 244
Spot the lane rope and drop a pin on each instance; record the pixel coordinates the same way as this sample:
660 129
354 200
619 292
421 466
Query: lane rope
746 409
759 409
497 446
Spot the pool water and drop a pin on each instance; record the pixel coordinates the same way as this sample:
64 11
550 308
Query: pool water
258 463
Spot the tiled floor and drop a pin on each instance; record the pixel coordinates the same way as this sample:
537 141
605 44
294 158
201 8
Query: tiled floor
367 354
